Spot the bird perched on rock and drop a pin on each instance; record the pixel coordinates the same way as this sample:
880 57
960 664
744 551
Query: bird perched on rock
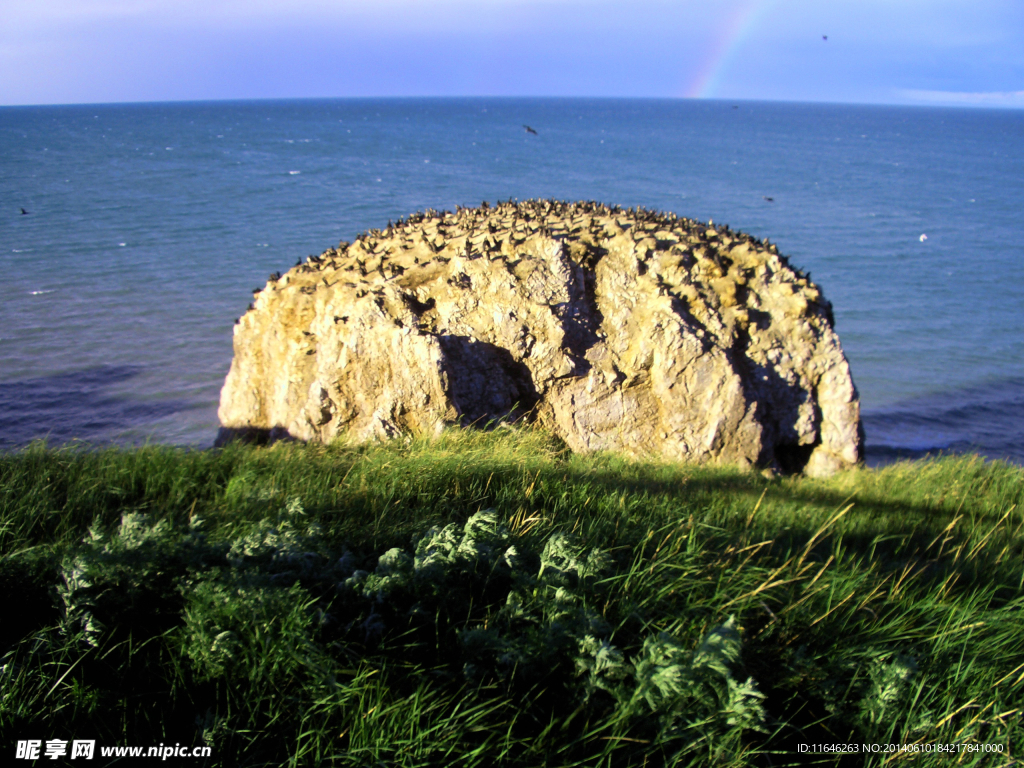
530 130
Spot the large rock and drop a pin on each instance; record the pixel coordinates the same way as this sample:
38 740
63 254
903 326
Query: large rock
618 330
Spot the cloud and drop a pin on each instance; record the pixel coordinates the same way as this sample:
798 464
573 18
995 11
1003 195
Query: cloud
966 98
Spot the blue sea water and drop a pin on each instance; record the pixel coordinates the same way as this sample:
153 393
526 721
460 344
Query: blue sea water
149 224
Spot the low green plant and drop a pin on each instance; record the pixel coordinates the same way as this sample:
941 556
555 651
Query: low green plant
491 599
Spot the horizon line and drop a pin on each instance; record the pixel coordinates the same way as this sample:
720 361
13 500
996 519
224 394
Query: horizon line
911 98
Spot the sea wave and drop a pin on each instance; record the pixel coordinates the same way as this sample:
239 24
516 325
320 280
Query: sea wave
79 405
987 419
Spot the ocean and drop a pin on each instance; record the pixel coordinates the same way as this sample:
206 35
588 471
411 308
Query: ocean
148 226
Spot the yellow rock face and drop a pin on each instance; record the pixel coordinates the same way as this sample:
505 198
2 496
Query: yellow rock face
619 330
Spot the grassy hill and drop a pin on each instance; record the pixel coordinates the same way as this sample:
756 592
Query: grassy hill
490 599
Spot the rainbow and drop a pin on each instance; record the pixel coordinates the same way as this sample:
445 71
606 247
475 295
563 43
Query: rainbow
732 35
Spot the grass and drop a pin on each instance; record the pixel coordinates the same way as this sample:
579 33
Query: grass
488 598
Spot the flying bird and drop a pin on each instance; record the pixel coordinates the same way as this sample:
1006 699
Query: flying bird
23 212
824 37
769 199
530 130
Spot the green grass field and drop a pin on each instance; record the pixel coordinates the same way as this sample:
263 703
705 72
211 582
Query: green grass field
488 599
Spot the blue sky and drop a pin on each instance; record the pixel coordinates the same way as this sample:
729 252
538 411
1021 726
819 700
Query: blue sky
878 51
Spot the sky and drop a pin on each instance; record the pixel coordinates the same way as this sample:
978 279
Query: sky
948 52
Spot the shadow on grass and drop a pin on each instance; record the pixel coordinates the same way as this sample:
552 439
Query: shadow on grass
911 526
374 497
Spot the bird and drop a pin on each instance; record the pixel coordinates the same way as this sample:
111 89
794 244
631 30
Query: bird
769 199
23 212
824 37
530 130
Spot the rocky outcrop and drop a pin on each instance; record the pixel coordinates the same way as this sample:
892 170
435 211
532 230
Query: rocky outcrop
620 330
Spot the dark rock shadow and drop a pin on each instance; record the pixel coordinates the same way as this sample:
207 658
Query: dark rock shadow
76 406
580 316
253 436
486 384
778 412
